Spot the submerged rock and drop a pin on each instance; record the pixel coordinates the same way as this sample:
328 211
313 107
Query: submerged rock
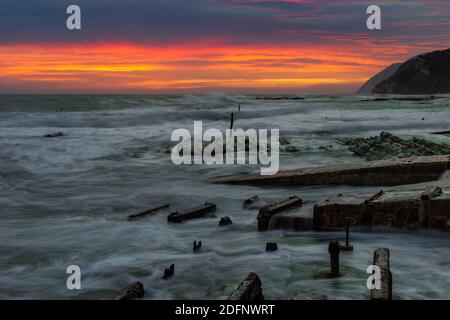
286 146
388 146
225 221
54 135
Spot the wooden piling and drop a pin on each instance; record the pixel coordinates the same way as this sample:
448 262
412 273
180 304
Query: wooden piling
381 259
143 214
197 212
271 246
334 250
196 246
232 121
169 272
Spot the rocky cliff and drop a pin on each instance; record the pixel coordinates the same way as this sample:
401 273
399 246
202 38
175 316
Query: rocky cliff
424 74
368 87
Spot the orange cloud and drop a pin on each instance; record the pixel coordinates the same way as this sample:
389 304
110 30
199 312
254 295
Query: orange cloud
123 67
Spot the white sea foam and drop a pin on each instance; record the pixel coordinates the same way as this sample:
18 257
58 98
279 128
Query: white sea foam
65 200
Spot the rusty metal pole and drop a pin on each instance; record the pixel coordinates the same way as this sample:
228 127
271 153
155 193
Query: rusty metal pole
347 226
347 246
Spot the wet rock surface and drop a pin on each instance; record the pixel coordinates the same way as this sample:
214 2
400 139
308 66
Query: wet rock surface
388 146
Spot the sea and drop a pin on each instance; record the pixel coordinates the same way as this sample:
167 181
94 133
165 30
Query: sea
64 200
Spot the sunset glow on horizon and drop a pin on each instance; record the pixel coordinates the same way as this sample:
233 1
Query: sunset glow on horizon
133 68
179 60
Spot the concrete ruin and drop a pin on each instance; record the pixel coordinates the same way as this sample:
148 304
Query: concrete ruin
133 291
249 289
266 212
414 206
375 173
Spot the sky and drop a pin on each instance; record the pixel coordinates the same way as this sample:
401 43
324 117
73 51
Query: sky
201 46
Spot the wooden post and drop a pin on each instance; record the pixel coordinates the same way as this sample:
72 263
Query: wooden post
232 121
334 250
197 212
347 246
142 214
271 246
169 272
196 246
239 108
381 259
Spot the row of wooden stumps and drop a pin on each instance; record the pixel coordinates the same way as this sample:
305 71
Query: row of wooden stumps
250 288
380 259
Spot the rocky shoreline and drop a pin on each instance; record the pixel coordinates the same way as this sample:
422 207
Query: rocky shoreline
388 146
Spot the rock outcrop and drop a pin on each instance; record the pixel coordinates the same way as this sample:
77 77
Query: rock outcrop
388 146
424 74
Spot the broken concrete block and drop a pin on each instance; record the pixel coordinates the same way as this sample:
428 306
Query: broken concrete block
133 291
197 212
266 212
401 207
250 289
225 221
375 173
271 246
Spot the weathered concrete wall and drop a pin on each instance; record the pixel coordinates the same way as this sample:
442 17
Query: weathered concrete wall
401 208
383 173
